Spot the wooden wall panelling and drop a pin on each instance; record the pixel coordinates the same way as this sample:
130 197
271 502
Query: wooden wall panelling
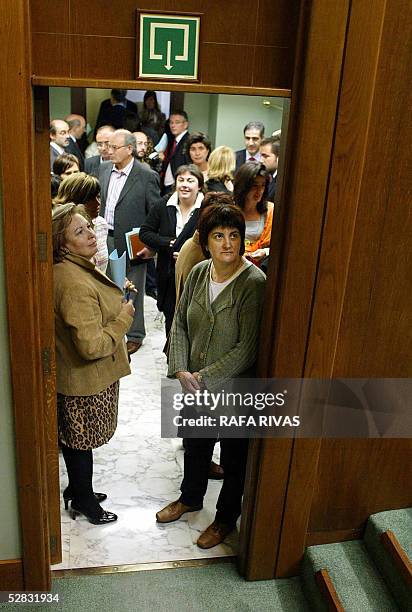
354 261
374 335
51 54
294 255
42 206
11 575
357 478
55 81
22 286
231 50
50 16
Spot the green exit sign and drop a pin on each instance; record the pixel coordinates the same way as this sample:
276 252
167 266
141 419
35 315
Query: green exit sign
168 46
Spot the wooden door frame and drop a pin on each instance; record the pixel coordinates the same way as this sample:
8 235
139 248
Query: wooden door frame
291 279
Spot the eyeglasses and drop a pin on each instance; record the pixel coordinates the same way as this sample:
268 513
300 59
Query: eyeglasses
101 145
141 144
116 147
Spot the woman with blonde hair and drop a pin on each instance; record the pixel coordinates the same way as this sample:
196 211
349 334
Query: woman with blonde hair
91 319
82 188
222 162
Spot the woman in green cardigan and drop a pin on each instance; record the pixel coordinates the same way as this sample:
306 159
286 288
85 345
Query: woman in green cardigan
214 338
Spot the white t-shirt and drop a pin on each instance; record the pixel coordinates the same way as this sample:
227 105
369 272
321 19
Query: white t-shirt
216 288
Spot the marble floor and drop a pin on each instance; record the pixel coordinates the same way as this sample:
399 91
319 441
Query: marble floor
140 472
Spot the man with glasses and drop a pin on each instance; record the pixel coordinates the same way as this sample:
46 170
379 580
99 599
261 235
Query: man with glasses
92 164
175 154
128 191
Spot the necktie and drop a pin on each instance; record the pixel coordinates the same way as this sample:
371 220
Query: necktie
252 159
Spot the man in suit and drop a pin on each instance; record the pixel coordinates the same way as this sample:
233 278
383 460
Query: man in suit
128 190
269 154
77 127
175 154
253 133
92 164
115 110
59 139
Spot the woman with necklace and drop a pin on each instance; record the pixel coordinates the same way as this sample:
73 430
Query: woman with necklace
167 227
214 338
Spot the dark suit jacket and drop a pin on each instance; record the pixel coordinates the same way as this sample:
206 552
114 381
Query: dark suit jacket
179 157
157 231
75 150
272 190
215 185
240 158
113 115
92 165
139 194
53 155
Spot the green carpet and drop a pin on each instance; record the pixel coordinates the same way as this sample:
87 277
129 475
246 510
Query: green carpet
400 522
357 581
212 588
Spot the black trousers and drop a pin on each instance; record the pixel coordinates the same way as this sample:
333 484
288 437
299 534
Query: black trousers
79 466
198 454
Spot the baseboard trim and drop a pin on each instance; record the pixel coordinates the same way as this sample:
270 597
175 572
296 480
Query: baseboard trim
316 538
11 575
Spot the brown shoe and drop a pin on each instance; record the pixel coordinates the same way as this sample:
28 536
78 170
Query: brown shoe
216 472
173 512
133 346
214 534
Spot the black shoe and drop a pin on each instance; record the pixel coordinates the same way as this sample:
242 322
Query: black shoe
67 497
103 519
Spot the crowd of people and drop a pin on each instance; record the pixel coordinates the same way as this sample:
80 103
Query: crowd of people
205 217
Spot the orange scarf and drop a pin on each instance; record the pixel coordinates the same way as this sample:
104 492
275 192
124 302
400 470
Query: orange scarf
264 239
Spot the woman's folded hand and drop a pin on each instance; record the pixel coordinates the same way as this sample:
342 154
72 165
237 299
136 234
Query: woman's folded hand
188 382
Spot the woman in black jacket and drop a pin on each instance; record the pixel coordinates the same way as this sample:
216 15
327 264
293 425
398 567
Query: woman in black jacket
167 227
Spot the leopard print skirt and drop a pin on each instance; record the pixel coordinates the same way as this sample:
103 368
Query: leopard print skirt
87 422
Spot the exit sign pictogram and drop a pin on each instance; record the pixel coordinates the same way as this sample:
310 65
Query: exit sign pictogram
168 46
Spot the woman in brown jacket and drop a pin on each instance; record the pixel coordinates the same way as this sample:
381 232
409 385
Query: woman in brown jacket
91 323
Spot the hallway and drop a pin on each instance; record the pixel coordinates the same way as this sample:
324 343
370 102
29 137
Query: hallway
140 472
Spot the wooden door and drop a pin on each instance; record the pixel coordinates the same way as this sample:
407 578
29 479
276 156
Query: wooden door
42 202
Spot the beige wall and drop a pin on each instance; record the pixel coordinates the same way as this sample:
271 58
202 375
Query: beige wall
10 547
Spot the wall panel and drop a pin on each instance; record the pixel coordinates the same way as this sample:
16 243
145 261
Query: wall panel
96 39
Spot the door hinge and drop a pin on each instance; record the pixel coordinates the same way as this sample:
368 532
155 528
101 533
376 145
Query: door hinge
46 360
42 246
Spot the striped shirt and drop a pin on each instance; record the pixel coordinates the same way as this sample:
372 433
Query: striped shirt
117 181
101 258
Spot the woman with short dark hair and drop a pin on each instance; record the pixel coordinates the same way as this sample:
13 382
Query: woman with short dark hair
198 149
167 227
214 338
66 164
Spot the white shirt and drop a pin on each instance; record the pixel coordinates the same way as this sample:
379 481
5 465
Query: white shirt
216 288
174 201
117 181
57 147
169 178
256 156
